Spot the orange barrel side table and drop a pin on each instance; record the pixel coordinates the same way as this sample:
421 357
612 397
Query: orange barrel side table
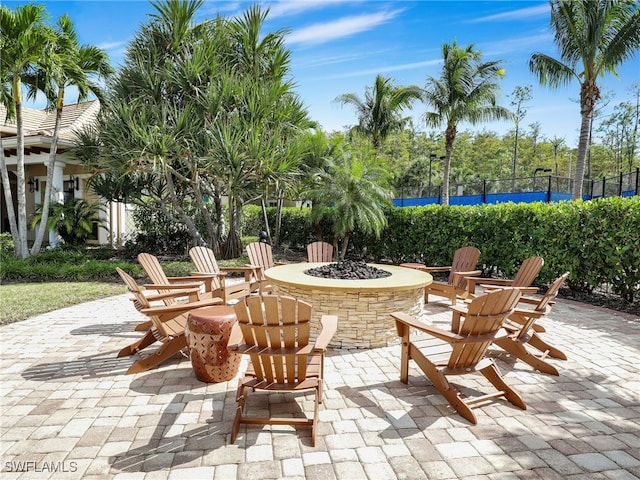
207 332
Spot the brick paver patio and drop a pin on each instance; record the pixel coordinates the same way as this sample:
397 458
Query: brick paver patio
70 411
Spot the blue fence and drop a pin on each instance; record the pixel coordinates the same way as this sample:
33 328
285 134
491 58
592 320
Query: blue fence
522 190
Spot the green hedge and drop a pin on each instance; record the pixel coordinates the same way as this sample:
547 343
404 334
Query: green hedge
597 241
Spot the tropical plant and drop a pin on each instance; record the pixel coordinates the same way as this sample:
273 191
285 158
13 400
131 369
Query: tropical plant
73 220
593 38
353 192
67 64
465 91
200 111
317 154
380 112
24 42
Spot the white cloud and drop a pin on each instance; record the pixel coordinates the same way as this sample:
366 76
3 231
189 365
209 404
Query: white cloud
320 61
285 8
112 45
528 45
520 14
389 68
343 27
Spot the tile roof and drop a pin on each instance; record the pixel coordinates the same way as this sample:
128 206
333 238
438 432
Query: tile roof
42 122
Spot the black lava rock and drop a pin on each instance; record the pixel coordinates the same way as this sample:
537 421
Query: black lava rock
348 270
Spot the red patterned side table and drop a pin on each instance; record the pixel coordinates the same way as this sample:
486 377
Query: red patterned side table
207 332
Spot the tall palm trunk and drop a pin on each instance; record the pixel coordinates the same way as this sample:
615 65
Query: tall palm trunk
21 245
450 137
588 96
53 150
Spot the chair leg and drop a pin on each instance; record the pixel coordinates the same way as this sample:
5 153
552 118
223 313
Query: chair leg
315 417
519 351
536 342
138 345
492 374
240 399
167 350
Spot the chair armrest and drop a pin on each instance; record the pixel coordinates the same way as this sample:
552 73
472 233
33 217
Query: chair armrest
207 274
329 328
181 307
459 276
279 263
488 288
436 269
247 271
173 286
472 281
527 313
410 321
180 279
236 339
174 294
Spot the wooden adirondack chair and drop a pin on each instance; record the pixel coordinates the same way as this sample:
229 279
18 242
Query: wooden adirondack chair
462 350
164 284
206 265
320 252
520 328
167 322
274 331
525 276
464 261
260 259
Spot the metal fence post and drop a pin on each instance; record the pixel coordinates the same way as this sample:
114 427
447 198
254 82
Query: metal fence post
620 185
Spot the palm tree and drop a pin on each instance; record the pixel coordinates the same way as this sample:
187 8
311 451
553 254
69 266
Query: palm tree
465 91
24 40
593 38
317 156
353 193
67 64
380 113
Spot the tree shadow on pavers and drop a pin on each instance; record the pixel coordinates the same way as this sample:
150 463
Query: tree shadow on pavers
121 329
162 449
260 404
103 364
163 381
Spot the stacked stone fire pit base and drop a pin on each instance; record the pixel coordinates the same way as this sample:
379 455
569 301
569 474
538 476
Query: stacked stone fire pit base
362 306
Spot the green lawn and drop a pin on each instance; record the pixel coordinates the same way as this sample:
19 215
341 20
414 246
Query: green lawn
19 301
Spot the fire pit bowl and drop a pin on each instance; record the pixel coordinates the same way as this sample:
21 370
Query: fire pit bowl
362 306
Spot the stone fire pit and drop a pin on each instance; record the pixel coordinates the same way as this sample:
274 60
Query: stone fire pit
362 306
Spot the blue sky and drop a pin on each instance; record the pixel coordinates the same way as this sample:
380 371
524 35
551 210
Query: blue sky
340 46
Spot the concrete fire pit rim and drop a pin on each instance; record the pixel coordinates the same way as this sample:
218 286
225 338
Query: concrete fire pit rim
401 278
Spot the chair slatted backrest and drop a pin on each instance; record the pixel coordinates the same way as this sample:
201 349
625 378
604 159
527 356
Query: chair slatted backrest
275 329
260 254
528 272
204 260
154 271
465 259
139 300
543 306
158 319
484 318
320 252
